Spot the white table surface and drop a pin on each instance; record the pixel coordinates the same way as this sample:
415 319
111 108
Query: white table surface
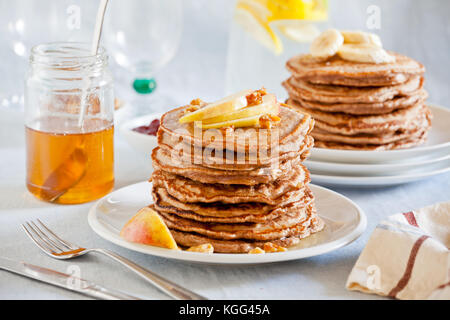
321 277
407 28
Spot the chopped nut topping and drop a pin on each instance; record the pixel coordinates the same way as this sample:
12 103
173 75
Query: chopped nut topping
257 250
189 109
255 98
266 121
203 248
271 247
196 102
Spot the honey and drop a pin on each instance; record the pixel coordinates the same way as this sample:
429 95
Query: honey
67 164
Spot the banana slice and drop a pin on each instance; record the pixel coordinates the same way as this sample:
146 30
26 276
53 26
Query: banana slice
357 37
365 53
327 44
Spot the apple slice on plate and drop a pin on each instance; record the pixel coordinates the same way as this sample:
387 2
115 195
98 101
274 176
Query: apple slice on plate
147 227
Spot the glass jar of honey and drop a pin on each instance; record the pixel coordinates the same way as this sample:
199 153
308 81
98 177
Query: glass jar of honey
69 123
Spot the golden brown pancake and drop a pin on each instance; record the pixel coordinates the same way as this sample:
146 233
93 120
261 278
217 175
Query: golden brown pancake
227 213
279 227
163 160
188 239
345 124
230 160
273 193
287 137
399 144
235 205
377 139
337 71
332 94
367 108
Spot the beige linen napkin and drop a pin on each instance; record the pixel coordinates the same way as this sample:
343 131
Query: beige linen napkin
407 256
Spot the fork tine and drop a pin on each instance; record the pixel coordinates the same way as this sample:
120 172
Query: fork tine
40 244
46 238
68 245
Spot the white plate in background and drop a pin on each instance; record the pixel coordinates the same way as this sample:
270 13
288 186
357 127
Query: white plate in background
377 169
344 223
372 181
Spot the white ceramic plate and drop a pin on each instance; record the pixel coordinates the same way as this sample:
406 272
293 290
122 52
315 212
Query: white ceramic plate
141 142
341 180
377 169
344 220
438 141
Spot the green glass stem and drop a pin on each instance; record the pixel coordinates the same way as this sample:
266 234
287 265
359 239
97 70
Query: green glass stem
144 86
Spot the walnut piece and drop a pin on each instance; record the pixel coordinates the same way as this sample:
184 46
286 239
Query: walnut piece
255 97
270 247
267 121
257 250
203 248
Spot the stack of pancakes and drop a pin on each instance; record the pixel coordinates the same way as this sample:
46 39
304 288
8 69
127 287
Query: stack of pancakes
361 106
236 189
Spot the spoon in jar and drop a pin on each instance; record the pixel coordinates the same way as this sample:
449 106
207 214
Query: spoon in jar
94 49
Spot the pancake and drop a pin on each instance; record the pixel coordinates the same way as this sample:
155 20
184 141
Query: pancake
399 144
367 108
282 226
275 193
228 160
226 213
189 239
284 138
340 123
338 71
162 160
423 126
331 94
235 188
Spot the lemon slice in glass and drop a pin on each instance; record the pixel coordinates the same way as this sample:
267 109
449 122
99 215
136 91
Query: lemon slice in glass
298 30
257 26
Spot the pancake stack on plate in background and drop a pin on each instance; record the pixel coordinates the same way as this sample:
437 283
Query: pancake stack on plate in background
369 108
361 96
239 185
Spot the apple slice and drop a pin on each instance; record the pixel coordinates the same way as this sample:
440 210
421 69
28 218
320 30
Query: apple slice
147 227
237 123
229 104
269 105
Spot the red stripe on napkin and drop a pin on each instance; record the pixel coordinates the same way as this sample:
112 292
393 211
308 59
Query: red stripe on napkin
411 218
409 267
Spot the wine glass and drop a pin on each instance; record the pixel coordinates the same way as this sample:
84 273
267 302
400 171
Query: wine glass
24 24
141 37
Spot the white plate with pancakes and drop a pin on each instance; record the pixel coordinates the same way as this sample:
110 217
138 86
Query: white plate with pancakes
384 168
344 223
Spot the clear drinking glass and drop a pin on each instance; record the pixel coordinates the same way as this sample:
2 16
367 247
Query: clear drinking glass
142 36
264 35
69 161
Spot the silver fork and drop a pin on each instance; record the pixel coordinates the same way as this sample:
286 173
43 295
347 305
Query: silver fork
57 248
